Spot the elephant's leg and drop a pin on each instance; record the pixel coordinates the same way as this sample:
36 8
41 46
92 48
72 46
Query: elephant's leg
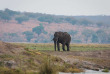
67 47
63 47
55 45
58 46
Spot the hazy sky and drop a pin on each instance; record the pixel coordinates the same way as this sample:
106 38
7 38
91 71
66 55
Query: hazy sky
59 7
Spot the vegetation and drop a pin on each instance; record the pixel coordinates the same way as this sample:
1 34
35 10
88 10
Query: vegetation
7 14
47 67
73 47
5 70
85 22
11 12
48 19
21 19
94 29
13 34
105 70
34 60
29 35
71 20
39 29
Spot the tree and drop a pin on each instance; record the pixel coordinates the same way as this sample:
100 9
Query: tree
11 12
94 38
99 24
88 34
13 34
29 35
21 19
102 36
39 29
85 22
72 32
108 41
4 16
48 19
71 20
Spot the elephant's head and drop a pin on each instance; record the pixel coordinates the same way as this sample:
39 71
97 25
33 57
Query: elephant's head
55 39
56 36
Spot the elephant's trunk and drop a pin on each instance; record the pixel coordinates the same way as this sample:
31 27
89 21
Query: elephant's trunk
55 45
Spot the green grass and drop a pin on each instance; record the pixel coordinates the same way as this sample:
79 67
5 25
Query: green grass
105 70
6 57
73 47
5 70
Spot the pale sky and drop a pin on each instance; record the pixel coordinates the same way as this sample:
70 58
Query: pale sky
59 7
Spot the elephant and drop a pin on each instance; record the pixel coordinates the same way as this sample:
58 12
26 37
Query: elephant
62 37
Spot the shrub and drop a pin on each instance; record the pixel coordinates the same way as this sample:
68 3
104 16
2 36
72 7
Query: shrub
1 64
47 68
21 19
4 70
74 70
105 70
29 35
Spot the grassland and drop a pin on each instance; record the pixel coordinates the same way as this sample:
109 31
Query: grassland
93 53
36 54
73 47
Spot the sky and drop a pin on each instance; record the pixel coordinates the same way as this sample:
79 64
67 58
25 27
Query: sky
59 7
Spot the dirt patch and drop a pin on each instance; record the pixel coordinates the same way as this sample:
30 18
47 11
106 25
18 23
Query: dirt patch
95 54
7 48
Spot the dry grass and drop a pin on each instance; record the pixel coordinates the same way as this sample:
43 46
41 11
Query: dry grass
32 57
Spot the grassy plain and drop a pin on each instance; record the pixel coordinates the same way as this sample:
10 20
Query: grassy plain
73 47
35 55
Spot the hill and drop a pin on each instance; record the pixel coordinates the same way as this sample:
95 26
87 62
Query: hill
18 26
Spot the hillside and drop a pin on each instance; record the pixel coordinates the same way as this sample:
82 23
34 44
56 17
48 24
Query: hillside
7 48
18 26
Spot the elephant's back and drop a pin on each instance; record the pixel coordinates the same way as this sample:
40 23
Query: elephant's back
67 37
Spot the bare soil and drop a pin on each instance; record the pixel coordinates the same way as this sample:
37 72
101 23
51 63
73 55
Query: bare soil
7 48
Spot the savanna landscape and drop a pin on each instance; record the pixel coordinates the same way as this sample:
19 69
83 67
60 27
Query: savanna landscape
30 58
26 45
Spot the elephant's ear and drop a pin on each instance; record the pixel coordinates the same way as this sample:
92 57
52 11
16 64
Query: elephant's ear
56 34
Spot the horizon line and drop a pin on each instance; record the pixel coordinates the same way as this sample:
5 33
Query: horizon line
57 14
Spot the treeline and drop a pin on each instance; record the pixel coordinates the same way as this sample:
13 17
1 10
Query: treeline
20 17
39 35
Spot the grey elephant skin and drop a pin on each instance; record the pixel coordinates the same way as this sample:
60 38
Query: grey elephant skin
62 37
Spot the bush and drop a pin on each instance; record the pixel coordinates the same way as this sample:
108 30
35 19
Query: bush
47 68
1 63
29 35
105 70
71 20
4 70
74 70
85 22
48 19
21 19
5 16
39 29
